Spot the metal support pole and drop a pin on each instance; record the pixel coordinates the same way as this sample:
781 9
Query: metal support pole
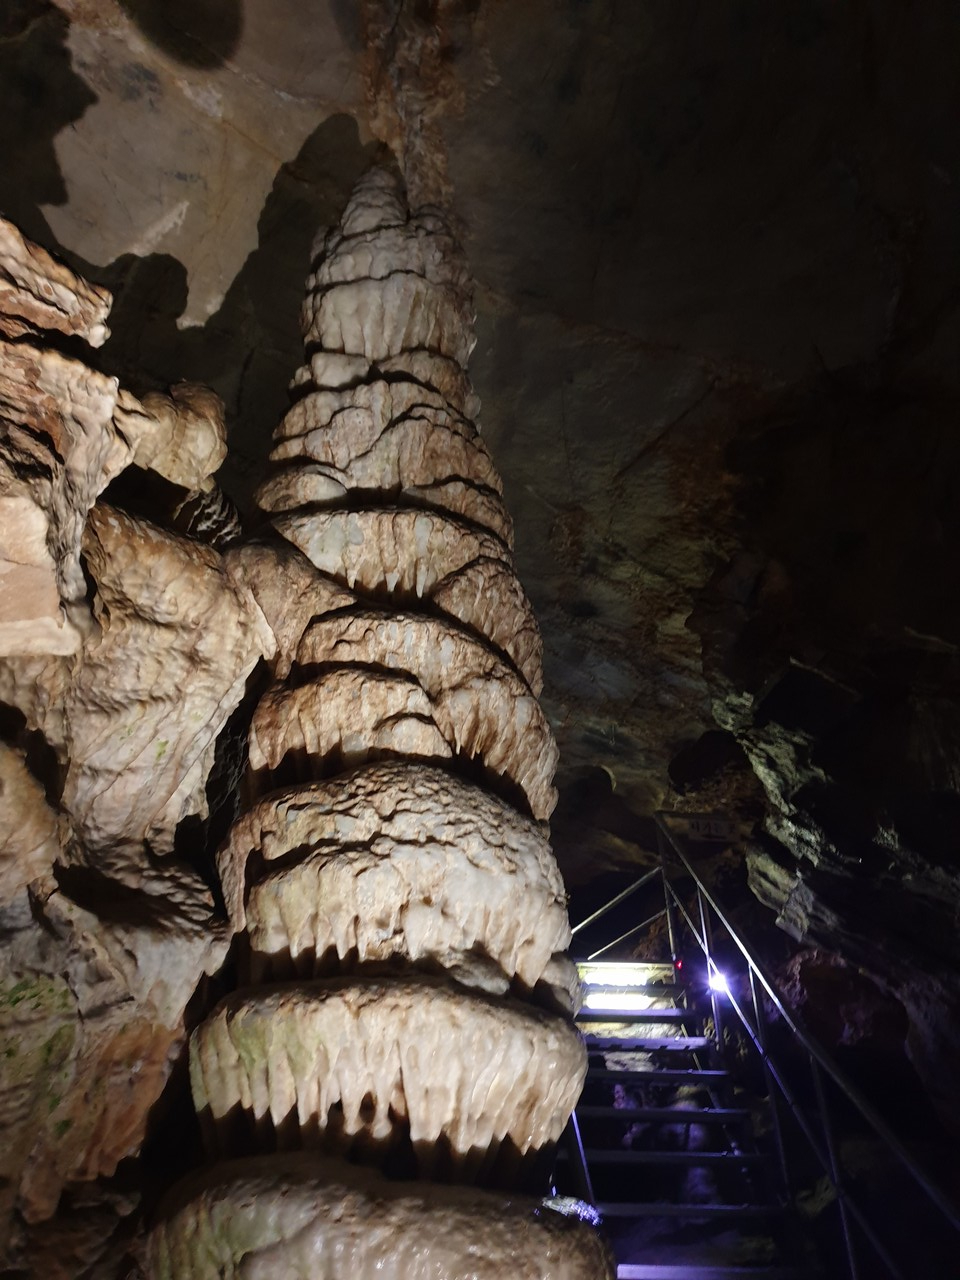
578 1161
707 936
668 901
835 1170
773 1093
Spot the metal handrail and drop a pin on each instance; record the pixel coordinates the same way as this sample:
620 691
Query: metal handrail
820 1061
644 924
615 902
850 1090
826 1157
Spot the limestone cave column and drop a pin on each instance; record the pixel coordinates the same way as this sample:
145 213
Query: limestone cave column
391 1079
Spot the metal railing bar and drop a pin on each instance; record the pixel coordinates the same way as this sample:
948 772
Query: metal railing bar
624 936
772 1092
669 889
707 936
845 1086
835 1174
579 1160
615 902
803 1123
671 929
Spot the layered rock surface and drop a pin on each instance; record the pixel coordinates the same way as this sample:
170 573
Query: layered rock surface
126 649
405 862
38 294
433 910
429 910
364 1066
326 1220
406 684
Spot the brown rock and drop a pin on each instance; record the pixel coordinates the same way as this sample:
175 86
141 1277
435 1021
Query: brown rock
289 591
377 200
65 432
389 282
210 516
421 246
382 318
90 1235
339 426
351 717
91 1018
377 236
29 830
317 487
390 439
38 293
178 640
487 596
187 440
402 552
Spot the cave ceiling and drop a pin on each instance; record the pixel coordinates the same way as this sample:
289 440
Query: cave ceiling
717 278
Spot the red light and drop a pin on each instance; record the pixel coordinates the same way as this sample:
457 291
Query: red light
679 964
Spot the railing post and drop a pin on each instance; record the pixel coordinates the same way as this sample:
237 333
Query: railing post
835 1171
667 899
773 1093
578 1161
707 935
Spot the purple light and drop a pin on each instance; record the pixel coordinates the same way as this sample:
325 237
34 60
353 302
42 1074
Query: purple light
718 982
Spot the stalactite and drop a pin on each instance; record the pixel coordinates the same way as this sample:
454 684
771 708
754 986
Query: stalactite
409 1003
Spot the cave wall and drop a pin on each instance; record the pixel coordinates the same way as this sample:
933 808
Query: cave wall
717 259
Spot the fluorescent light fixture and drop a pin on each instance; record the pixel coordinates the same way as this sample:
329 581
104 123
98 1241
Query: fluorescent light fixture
718 982
617 1001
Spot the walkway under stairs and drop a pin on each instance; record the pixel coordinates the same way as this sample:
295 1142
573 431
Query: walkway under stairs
662 1143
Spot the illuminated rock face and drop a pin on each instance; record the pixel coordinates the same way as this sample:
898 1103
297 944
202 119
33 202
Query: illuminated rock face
114 697
307 1219
403 920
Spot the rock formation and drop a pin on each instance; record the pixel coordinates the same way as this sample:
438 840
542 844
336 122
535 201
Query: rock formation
126 649
402 920
312 1218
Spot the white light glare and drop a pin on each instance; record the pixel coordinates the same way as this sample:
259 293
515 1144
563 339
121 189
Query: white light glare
611 975
718 982
617 1001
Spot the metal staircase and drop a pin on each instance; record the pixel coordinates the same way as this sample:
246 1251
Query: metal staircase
666 1143
670 1162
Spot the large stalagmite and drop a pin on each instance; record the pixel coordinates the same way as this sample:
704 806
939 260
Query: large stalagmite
396 892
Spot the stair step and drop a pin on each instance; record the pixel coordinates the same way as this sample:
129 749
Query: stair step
658 991
598 1155
667 1115
611 971
647 1044
667 1075
693 1271
672 1014
669 1209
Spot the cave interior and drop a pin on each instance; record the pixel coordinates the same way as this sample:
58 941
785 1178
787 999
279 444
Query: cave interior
715 253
